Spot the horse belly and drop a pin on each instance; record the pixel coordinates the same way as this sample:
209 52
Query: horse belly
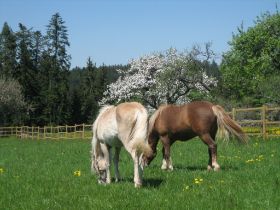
107 133
184 135
113 142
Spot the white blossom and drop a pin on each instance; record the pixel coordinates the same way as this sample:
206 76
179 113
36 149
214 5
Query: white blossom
160 78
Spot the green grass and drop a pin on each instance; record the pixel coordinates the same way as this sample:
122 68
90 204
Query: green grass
40 175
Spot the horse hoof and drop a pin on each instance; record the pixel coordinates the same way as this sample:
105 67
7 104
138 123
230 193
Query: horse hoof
164 168
209 168
170 168
137 185
101 182
117 180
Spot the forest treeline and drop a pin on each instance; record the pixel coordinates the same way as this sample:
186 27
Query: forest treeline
38 66
38 86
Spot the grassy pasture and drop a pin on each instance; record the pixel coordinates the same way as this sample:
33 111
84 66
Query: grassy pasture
44 174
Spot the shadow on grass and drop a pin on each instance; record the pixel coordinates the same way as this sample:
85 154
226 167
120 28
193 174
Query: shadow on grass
152 182
147 182
203 168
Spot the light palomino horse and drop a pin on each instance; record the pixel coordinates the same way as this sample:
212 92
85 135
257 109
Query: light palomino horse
117 126
201 118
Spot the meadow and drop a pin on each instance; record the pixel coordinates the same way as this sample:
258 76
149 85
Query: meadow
55 174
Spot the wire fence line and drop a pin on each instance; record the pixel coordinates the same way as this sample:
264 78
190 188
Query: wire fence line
260 121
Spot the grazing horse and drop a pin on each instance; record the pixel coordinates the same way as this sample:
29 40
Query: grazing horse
170 123
117 126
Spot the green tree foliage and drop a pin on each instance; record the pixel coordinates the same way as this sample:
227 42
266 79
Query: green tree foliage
39 65
90 91
94 83
26 72
55 66
7 51
254 56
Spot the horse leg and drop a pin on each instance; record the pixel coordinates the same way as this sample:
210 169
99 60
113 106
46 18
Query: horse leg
116 163
137 169
212 150
166 161
107 152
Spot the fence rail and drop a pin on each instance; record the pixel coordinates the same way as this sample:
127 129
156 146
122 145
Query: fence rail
260 121
261 126
82 131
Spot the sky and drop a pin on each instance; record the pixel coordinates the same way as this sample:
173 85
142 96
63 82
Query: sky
116 31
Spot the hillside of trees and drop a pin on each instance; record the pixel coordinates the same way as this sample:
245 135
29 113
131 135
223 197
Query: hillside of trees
38 87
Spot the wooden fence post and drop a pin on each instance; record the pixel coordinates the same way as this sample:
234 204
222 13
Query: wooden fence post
233 113
44 132
51 131
83 134
21 132
264 108
75 130
32 131
66 128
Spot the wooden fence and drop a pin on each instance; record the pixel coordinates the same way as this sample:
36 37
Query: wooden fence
258 121
82 131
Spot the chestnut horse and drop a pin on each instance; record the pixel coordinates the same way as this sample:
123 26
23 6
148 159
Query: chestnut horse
170 123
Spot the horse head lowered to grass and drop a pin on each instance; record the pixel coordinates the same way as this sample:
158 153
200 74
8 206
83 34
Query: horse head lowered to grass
117 126
203 119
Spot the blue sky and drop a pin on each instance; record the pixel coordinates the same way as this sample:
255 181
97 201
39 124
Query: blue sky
115 31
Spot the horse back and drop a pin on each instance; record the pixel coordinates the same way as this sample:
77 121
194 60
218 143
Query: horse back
132 121
186 121
105 124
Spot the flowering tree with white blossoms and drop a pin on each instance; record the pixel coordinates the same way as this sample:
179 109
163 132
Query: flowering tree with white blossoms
161 78
12 102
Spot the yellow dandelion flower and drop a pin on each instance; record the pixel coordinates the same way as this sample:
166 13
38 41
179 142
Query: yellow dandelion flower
1 170
77 173
198 180
187 187
250 161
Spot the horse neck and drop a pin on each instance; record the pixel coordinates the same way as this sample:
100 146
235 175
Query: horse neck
153 141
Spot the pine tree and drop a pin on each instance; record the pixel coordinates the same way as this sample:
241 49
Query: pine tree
26 72
90 105
55 68
7 52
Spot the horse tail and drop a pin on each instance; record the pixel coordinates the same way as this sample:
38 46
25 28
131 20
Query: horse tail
138 134
226 125
95 147
96 150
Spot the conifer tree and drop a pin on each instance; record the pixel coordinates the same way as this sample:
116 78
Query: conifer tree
55 68
7 52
